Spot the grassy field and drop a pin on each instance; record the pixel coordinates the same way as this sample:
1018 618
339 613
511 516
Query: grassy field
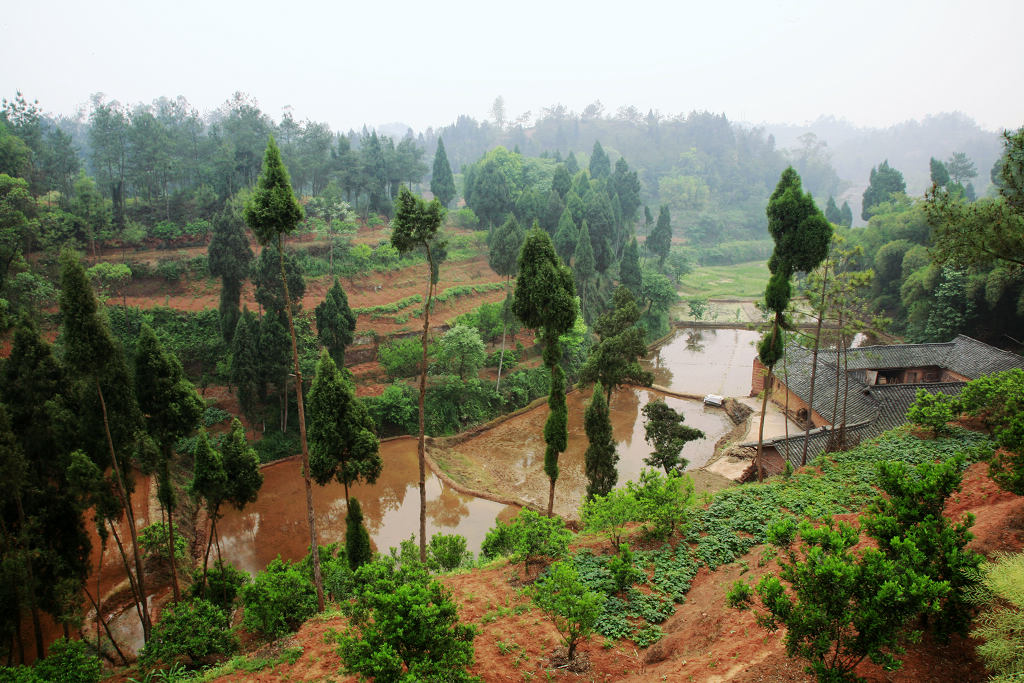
742 280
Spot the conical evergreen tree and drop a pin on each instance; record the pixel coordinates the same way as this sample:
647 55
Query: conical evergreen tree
209 483
273 212
566 237
562 181
230 259
600 165
246 375
659 242
552 212
357 538
629 268
600 458
583 269
572 167
832 213
442 183
335 323
343 445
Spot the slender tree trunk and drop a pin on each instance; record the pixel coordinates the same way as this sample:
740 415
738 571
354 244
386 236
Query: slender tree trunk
206 555
170 548
21 643
764 403
421 446
504 324
31 588
128 572
126 501
551 498
835 401
814 365
846 387
314 547
106 627
785 412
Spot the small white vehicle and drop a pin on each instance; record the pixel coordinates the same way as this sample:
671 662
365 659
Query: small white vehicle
714 400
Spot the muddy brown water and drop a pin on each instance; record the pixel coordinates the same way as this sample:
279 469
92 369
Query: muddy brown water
276 523
704 360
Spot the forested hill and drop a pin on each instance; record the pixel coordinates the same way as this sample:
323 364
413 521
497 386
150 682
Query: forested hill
908 146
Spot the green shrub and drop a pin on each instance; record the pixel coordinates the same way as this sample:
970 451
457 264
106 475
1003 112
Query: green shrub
464 218
527 536
68 661
169 269
167 231
153 540
401 357
572 607
665 501
223 582
213 415
611 514
933 411
189 633
395 411
278 600
999 400
403 626
276 445
447 552
840 608
494 358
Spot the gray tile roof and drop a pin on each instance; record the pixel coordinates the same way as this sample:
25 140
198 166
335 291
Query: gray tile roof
873 409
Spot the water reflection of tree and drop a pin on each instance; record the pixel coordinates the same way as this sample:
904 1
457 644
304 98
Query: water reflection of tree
448 510
695 342
624 412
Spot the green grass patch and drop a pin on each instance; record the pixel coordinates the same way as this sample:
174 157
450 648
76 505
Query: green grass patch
744 280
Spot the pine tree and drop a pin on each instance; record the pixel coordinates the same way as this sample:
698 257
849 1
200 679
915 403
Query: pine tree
343 445
266 280
552 212
884 182
583 269
938 173
442 183
613 360
335 323
172 409
230 258
600 165
572 167
246 374
106 407
566 236
832 213
209 483
600 458
665 431
629 268
242 468
561 182
847 215
545 299
597 211
626 185
415 226
357 538
272 212
659 242
802 237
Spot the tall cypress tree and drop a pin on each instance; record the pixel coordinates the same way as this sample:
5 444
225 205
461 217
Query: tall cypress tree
272 212
415 226
335 323
583 269
600 165
209 482
230 259
629 268
566 236
545 300
600 458
802 235
597 210
832 213
659 242
343 445
107 412
172 409
561 181
442 183
245 363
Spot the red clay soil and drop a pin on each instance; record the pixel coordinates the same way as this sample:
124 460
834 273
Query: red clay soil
704 640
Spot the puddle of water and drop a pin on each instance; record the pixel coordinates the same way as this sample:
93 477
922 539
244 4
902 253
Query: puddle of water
276 523
706 361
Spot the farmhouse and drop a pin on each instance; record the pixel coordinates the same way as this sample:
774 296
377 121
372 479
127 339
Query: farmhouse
867 390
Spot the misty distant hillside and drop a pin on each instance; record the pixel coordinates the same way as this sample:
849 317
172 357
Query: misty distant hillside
908 146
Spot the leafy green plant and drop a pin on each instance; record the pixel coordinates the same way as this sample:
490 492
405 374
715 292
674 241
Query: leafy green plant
664 501
403 626
572 607
69 661
447 552
840 609
400 357
611 514
528 536
223 583
189 633
153 540
278 600
933 411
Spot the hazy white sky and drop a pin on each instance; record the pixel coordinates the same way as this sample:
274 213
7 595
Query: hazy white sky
873 62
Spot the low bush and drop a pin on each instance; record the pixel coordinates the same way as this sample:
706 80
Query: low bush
447 552
69 661
223 583
933 411
401 357
153 540
278 600
190 633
